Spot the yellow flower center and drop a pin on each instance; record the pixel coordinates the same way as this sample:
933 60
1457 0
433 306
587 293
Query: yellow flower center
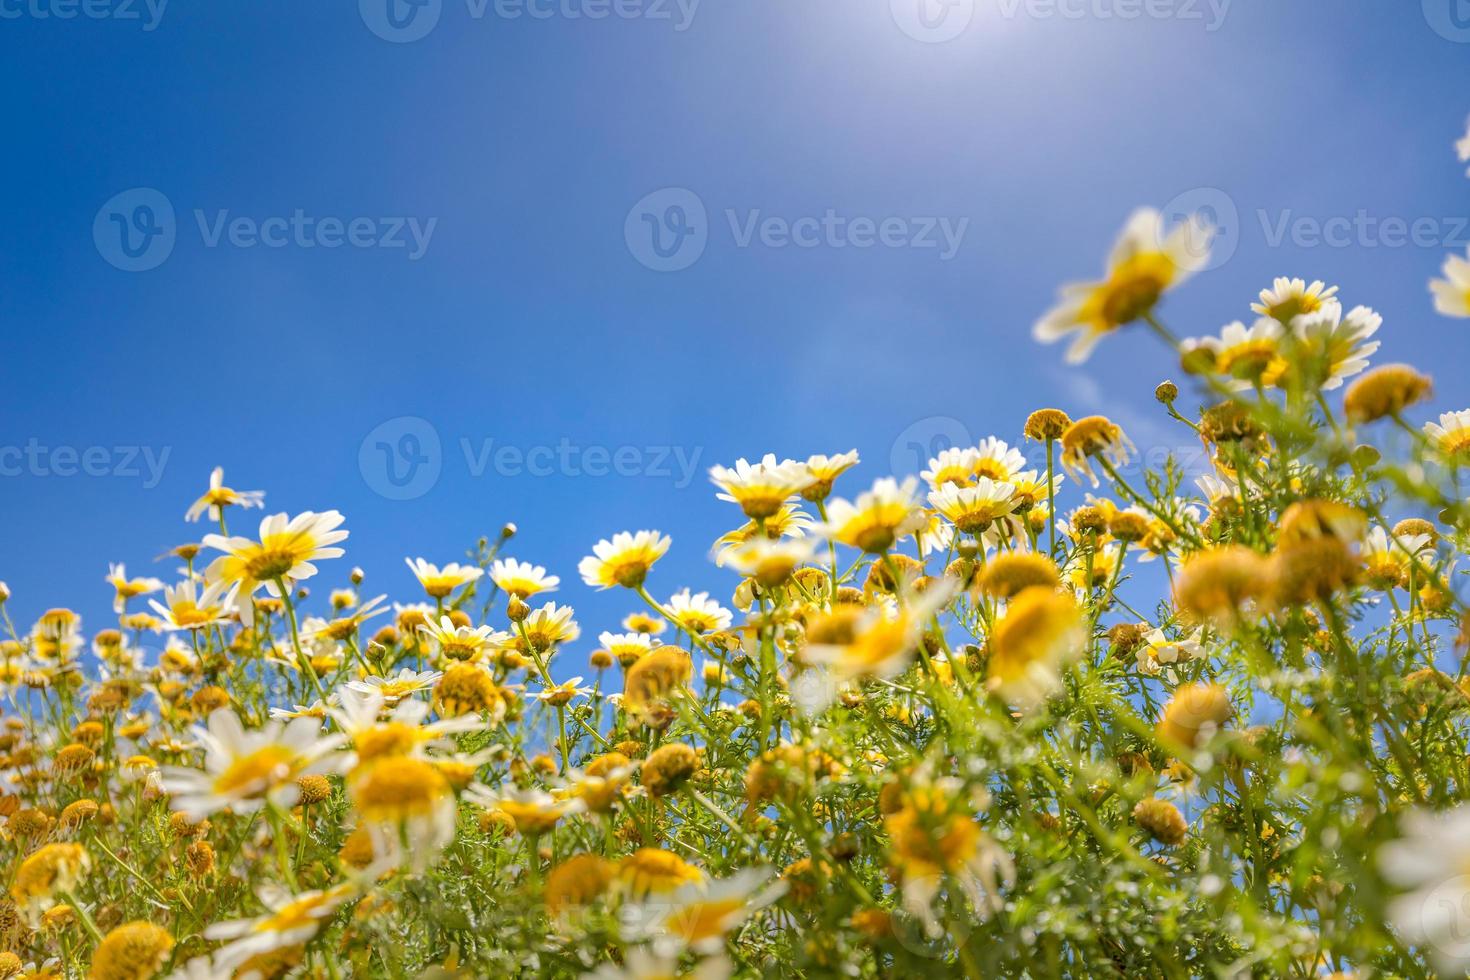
251 774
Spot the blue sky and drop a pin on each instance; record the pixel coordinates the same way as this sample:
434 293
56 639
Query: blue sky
526 313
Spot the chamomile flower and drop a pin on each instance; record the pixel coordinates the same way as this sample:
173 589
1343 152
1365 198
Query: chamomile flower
996 460
406 802
956 465
974 509
626 648
1451 435
1158 652
125 588
468 643
1041 631
823 471
877 519
1452 293
761 488
697 613
1094 436
245 769
876 642
768 562
700 914
549 626
1429 862
1335 347
625 560
521 579
934 839
1147 261
219 496
186 607
406 683
439 583
1288 299
290 920
284 553
564 693
1246 355
533 811
360 716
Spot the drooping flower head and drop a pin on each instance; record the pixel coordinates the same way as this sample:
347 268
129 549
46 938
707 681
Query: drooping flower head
219 496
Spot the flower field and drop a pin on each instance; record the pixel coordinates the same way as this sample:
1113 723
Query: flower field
1048 708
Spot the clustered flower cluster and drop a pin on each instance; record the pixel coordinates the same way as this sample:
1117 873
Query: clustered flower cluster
1184 724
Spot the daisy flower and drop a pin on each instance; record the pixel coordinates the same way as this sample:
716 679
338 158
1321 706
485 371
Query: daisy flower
549 626
768 562
1030 488
877 519
1093 436
521 579
1042 631
877 642
562 694
1158 652
403 732
439 582
955 465
823 471
45 875
996 460
697 613
1288 299
700 914
290 921
533 811
626 648
405 683
761 488
405 801
243 770
1248 355
1147 261
974 509
185 607
284 553
1452 293
1451 434
219 496
469 643
1429 860
644 622
1336 346
625 560
126 588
